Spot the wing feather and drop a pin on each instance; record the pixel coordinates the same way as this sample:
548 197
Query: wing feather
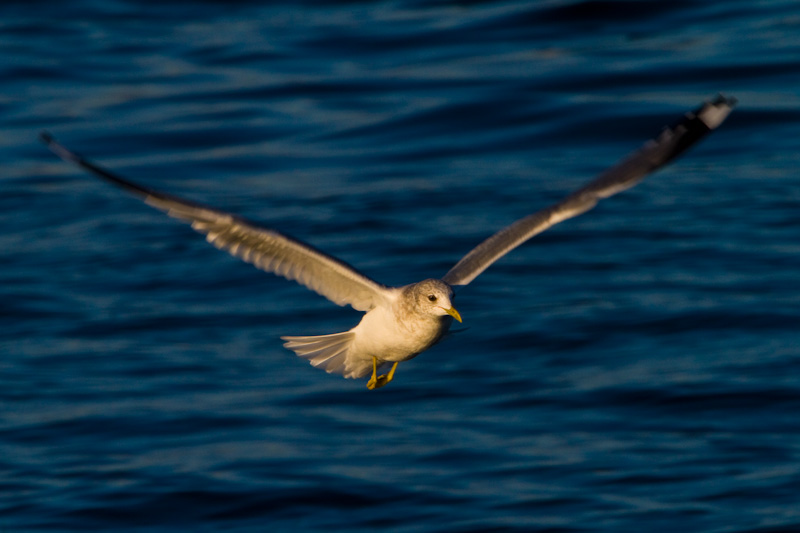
625 174
265 248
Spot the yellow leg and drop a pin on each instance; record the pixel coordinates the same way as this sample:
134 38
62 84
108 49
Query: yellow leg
376 381
390 375
373 381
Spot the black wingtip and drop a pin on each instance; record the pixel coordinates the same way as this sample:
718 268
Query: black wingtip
46 137
57 148
72 157
730 101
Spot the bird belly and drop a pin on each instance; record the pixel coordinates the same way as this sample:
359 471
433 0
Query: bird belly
380 334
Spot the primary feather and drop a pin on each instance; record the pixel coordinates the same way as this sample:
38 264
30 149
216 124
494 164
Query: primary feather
631 170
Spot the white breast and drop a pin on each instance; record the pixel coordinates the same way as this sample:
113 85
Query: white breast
389 337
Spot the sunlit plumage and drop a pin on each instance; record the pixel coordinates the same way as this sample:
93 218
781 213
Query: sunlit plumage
400 322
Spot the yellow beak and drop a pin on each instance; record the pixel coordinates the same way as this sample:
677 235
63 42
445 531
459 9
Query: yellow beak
453 313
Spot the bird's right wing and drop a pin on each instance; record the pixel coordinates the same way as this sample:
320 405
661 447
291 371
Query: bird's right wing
625 174
265 248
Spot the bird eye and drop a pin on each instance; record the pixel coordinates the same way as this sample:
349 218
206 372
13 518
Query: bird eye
432 297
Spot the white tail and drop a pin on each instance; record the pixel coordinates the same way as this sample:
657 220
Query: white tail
328 352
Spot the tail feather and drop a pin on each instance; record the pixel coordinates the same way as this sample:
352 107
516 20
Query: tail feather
328 352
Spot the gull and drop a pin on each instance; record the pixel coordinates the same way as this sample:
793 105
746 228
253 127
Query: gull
399 322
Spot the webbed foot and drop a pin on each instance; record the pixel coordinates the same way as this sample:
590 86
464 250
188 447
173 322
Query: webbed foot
376 381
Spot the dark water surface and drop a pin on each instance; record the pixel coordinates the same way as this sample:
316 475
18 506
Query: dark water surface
636 369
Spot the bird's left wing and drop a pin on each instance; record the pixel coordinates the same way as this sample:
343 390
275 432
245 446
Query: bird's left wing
265 248
625 174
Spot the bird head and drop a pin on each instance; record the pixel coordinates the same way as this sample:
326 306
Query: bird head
435 297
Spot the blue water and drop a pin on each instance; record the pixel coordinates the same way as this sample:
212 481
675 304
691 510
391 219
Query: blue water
635 369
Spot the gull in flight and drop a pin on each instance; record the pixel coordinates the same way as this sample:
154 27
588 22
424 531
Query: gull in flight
399 322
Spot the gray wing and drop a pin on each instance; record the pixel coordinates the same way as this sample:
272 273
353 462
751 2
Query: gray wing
625 174
265 248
